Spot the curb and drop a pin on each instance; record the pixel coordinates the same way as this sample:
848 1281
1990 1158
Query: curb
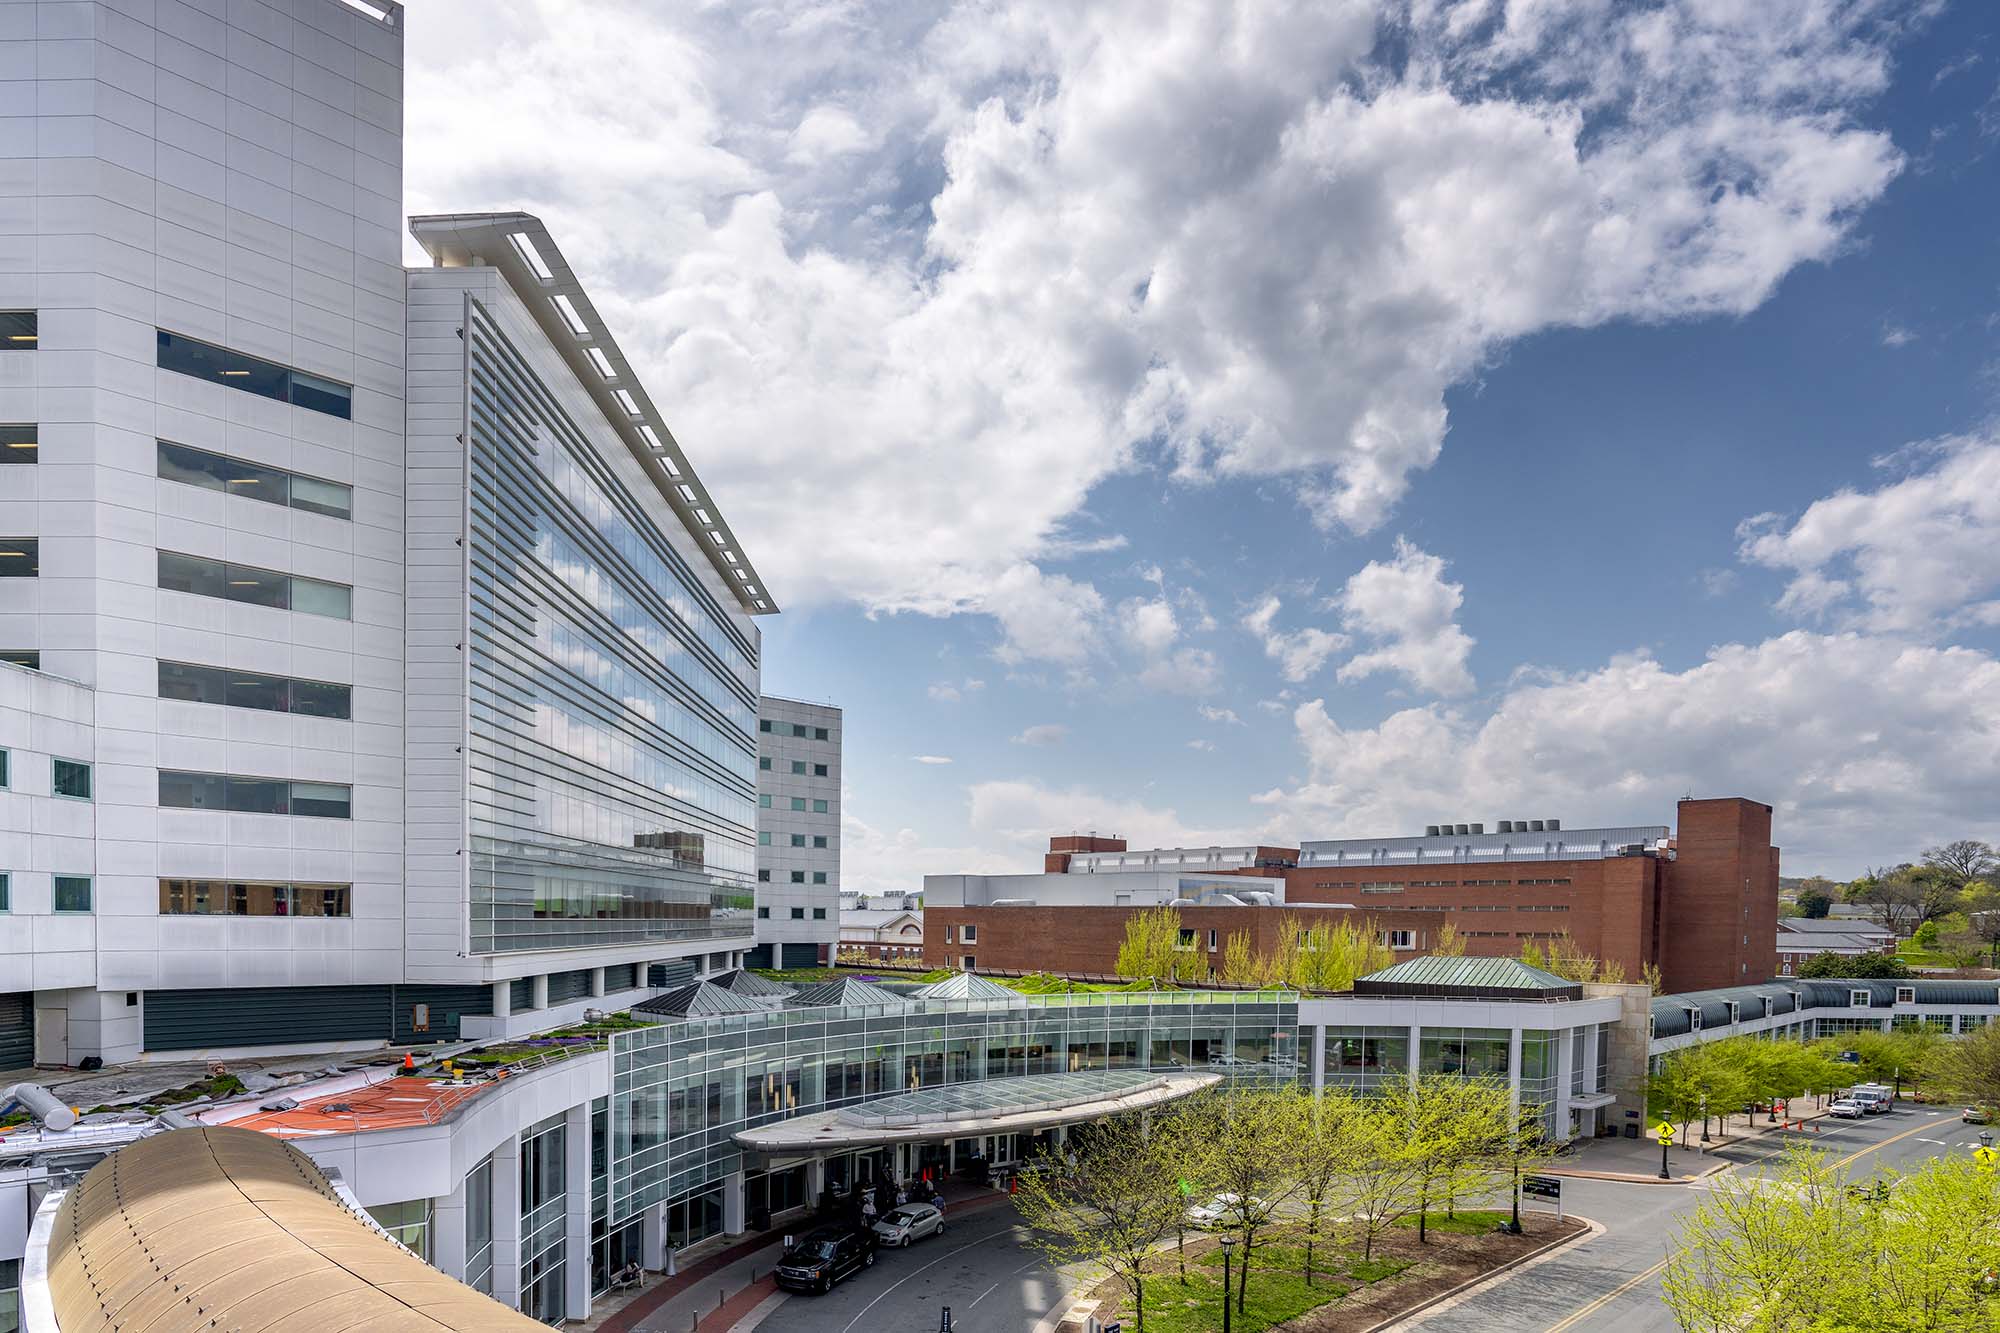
1634 1179
739 1308
1591 1230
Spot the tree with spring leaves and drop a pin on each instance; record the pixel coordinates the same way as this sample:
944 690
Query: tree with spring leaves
1253 1159
1323 1132
1110 1208
1239 961
1152 948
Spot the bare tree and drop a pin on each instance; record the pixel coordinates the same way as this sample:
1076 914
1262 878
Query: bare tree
1962 861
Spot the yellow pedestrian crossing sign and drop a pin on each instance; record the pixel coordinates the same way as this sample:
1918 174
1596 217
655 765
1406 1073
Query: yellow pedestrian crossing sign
1986 1156
1665 1131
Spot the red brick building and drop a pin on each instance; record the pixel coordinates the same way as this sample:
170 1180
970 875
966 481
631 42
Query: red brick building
1701 900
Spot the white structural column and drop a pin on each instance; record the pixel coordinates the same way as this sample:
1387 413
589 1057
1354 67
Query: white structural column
503 999
1565 1065
653 1238
448 1233
732 1204
1317 1074
576 1211
1514 1074
1416 1051
507 1222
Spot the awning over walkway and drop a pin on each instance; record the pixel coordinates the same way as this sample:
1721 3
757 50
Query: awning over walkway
1590 1101
232 1229
968 1110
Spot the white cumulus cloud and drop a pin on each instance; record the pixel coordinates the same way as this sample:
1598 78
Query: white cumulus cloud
1915 553
1405 606
1298 653
1043 734
932 758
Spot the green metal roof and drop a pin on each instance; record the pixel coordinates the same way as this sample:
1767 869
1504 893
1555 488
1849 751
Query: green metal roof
1484 974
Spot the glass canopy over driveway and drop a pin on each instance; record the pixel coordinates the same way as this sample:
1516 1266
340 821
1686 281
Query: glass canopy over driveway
995 1106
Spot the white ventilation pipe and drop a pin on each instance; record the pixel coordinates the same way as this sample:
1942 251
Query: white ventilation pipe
47 1108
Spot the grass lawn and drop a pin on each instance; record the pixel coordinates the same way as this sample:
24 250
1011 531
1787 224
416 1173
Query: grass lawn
1196 1307
1464 1224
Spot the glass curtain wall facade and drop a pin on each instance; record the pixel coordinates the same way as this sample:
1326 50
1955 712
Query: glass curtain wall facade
479 1227
681 1091
544 1219
613 698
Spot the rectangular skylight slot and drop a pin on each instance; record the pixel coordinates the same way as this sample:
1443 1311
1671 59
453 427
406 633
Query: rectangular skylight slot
667 462
743 574
717 538
567 309
730 556
380 13
627 401
701 516
652 440
687 492
763 605
524 245
601 361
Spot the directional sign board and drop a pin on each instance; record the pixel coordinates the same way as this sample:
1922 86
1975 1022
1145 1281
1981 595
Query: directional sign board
1542 1187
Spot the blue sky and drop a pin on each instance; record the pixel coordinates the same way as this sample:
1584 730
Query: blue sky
1605 402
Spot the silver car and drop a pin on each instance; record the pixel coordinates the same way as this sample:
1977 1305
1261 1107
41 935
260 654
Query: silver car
908 1222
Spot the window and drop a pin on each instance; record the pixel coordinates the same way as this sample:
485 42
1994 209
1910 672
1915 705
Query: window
20 557
819 733
214 897
819 770
20 330
19 444
819 913
72 893
819 807
763 913
1186 938
799 767
798 730
30 659
764 725
967 962
819 877
267 379
764 839
951 934
1858 999
6 898
70 778
4 762
255 796
763 877
253 481
798 839
250 689
798 803
1906 995
1211 941
764 763
260 587
968 935
764 801
819 839
798 914
1399 939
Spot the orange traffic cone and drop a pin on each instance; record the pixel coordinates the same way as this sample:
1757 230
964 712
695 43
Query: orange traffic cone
409 1062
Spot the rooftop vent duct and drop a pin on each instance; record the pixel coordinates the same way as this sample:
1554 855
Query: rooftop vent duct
47 1108
1555 826
1534 826
1463 829
1479 828
1430 830
1506 826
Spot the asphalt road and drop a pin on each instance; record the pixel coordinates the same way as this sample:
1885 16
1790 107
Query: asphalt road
994 1284
978 1267
1613 1280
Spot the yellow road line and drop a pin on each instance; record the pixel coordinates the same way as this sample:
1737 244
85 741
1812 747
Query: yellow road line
1584 1311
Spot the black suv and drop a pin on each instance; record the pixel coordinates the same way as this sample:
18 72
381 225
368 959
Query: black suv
825 1256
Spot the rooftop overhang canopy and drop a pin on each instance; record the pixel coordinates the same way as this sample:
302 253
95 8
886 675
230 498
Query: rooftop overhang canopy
967 1110
520 247
1591 1101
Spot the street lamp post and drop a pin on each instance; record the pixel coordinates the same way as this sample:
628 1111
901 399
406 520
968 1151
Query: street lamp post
1704 1117
1228 1248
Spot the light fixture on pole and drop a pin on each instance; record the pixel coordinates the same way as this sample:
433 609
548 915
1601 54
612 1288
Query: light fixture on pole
1228 1248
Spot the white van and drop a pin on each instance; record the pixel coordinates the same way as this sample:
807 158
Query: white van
1873 1096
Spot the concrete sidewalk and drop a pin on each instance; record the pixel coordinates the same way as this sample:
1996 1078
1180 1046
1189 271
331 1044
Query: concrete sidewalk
1637 1161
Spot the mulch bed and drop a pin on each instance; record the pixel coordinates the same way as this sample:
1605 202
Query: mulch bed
1444 1263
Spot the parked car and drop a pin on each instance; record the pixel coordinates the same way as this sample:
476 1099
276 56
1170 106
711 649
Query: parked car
1848 1109
1976 1115
825 1256
1219 1210
909 1222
